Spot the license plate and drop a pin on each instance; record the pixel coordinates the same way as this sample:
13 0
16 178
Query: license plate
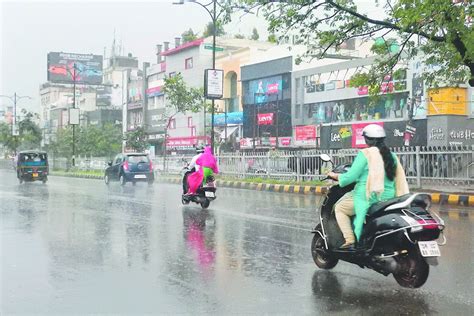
35 175
429 248
209 194
140 176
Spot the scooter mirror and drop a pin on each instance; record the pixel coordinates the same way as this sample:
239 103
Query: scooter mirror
325 157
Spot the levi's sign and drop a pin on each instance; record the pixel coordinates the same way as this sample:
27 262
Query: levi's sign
265 119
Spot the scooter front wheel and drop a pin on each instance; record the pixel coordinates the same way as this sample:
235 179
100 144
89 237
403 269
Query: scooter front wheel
321 257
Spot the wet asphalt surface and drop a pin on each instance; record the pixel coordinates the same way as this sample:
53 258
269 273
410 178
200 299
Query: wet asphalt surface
76 246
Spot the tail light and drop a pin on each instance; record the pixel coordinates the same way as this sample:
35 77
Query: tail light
428 223
151 166
125 166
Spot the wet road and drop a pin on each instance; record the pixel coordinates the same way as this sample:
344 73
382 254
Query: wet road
78 246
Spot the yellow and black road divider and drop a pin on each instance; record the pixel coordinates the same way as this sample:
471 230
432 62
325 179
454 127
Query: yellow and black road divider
437 198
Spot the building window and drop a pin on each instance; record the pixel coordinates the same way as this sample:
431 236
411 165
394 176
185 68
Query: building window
172 124
188 63
193 131
172 74
190 121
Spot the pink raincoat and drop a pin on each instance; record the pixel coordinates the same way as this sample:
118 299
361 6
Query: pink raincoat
206 160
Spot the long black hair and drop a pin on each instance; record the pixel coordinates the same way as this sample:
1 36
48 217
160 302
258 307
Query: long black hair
388 161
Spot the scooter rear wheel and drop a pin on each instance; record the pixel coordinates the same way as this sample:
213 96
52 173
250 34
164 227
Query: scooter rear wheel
205 204
321 257
413 271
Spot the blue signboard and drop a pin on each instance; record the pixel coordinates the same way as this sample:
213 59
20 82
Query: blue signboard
234 118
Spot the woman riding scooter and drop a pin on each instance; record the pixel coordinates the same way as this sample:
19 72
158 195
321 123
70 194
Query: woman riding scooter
208 167
378 175
192 167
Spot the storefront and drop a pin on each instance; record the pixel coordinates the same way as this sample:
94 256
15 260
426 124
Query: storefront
450 130
266 100
399 134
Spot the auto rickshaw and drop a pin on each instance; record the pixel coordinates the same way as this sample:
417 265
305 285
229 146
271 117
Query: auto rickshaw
32 166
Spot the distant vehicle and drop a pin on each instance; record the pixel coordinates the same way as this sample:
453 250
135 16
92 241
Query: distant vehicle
130 167
32 166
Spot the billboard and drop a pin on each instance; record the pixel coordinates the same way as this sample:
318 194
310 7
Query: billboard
61 68
265 90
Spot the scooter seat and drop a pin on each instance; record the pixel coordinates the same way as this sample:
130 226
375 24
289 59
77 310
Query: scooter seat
380 206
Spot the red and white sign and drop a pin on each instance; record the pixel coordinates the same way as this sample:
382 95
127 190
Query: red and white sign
358 140
285 141
187 141
246 143
265 118
363 90
305 132
272 88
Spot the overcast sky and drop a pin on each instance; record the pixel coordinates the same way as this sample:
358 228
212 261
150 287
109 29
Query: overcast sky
31 29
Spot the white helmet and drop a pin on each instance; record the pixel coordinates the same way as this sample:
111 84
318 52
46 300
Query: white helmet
374 131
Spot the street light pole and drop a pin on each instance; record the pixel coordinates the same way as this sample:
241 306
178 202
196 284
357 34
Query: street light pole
214 26
15 100
74 125
214 18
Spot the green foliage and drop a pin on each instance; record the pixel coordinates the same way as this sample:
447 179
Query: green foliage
272 38
136 139
29 134
189 36
439 31
209 30
255 36
95 141
180 98
239 36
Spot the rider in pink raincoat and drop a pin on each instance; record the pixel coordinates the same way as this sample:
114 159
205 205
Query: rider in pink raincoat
208 164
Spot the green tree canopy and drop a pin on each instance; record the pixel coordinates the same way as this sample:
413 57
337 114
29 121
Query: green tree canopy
239 36
209 29
180 98
189 36
137 139
439 30
95 141
29 137
255 36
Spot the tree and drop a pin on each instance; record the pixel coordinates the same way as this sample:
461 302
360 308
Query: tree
255 36
180 99
137 139
439 30
189 36
29 133
272 38
239 36
95 141
209 30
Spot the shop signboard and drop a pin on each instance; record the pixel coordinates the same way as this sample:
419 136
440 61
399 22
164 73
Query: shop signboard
406 134
450 131
358 140
265 118
305 135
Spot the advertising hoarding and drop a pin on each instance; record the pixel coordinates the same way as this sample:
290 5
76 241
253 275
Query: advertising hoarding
88 68
265 119
233 118
265 89
358 140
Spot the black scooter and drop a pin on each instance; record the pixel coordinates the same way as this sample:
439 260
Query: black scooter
399 236
204 195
